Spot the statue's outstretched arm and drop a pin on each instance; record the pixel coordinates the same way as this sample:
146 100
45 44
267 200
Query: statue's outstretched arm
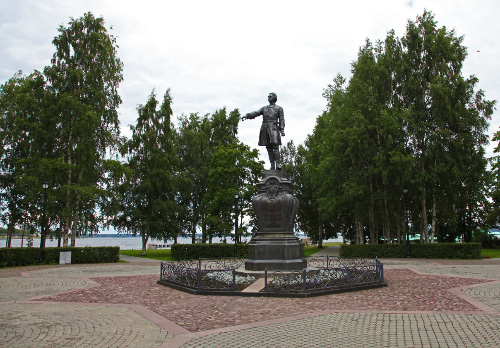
252 115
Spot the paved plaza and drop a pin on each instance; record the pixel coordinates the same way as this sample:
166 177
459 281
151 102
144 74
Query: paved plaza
427 303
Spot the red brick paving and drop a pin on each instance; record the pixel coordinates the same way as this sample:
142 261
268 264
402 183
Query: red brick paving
406 291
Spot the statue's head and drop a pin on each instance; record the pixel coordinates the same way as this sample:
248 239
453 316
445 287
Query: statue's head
272 97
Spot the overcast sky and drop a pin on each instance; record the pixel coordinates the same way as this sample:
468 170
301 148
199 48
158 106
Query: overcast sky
215 54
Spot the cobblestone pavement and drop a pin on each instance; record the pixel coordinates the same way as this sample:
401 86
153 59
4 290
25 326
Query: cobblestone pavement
51 325
365 330
468 271
98 271
488 294
440 304
407 291
12 289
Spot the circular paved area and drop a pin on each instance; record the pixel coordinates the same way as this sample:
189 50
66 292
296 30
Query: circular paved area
50 325
12 289
122 306
365 330
98 271
488 294
468 271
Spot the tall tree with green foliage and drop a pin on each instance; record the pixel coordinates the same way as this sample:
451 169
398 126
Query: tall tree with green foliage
406 118
28 154
84 76
146 198
196 141
234 168
447 123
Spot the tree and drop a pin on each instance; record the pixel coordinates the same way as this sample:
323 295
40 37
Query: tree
84 76
406 118
234 168
27 156
446 125
196 141
147 196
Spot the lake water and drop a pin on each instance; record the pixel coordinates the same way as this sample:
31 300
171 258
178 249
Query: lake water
125 242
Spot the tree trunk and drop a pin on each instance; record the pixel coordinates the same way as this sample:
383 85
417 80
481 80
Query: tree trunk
59 236
434 217
371 216
424 233
358 223
203 231
405 226
193 232
10 230
68 183
387 223
145 237
74 226
320 236
76 213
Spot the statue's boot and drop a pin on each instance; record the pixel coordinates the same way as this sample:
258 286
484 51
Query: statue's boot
271 159
277 158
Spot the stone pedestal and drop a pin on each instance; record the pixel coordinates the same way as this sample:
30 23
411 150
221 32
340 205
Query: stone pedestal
275 246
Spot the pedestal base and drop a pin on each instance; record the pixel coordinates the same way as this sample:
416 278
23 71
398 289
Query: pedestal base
276 251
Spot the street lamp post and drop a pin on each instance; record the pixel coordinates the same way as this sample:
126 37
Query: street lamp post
45 185
408 254
236 196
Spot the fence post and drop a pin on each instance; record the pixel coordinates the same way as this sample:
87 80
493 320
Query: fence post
265 280
199 274
327 261
234 280
304 279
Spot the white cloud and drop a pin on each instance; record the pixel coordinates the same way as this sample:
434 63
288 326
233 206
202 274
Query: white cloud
232 53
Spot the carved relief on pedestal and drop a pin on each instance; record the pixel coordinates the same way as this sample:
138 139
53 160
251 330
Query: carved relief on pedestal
275 206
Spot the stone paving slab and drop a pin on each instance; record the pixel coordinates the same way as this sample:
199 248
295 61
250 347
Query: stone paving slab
101 270
468 271
406 291
365 330
488 294
12 289
433 303
56 325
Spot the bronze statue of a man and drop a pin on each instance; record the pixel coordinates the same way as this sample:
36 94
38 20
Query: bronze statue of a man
272 129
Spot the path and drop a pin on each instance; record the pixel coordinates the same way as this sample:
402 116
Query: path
428 303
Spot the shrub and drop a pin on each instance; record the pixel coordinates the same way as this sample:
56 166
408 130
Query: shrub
373 250
427 251
31 256
196 251
490 242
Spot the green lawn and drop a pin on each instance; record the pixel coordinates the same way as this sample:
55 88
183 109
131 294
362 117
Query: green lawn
158 254
491 253
311 249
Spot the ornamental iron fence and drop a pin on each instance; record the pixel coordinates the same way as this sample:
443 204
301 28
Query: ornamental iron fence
323 275
206 274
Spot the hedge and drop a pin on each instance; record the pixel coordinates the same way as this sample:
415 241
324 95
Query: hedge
196 251
31 256
424 251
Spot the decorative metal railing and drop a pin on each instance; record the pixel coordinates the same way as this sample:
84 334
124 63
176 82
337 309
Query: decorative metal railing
206 274
336 262
322 274
351 273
